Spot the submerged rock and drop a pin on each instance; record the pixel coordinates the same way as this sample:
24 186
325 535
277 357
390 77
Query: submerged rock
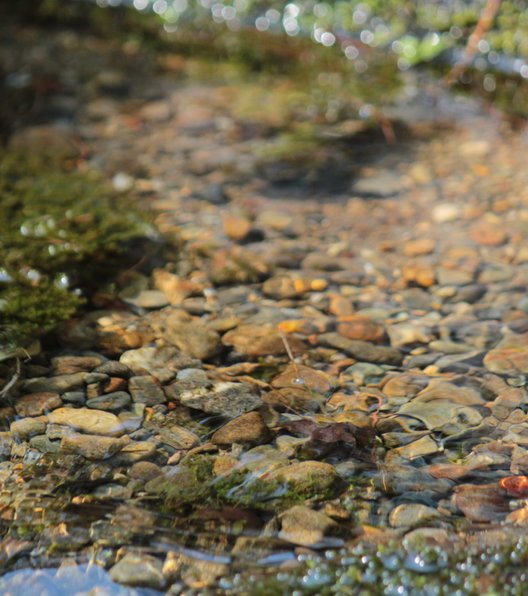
95 422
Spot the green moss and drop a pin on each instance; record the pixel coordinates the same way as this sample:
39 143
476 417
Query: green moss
59 231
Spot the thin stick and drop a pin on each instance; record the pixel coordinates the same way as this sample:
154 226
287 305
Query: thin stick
11 381
484 23
286 345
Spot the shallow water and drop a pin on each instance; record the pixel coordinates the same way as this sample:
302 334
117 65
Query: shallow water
415 249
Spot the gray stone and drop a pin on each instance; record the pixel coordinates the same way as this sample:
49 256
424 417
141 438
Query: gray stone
111 402
146 390
58 384
139 570
225 398
362 350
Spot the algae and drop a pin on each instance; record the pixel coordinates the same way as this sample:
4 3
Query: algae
61 234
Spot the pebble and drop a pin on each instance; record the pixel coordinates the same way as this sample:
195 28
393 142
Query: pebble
362 350
139 570
248 429
510 355
37 404
163 363
307 476
408 515
149 299
58 384
88 421
306 527
260 340
224 398
110 402
146 390
144 470
25 428
361 328
93 447
192 336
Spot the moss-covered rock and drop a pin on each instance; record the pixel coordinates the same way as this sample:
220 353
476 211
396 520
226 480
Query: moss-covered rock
59 231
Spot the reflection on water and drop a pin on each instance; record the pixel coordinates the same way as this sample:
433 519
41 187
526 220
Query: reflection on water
67 580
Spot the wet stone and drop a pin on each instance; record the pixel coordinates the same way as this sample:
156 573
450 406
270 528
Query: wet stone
307 476
113 368
361 350
88 421
6 442
58 384
110 402
93 447
179 437
192 336
146 390
510 356
64 365
37 404
139 570
248 429
306 527
260 340
74 397
144 470
28 427
224 398
411 514
163 363
149 299
44 444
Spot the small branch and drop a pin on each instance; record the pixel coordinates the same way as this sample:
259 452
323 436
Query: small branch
484 23
5 390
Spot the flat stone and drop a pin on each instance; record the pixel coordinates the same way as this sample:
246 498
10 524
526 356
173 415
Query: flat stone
487 234
306 527
113 368
146 390
248 429
411 514
149 299
260 340
139 570
301 376
361 328
306 476
88 421
37 404
362 350
64 365
192 336
163 363
420 448
179 437
224 398
135 451
110 402
58 384
26 428
44 444
481 503
93 447
403 334
510 356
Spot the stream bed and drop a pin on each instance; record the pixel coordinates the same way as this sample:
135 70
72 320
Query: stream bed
304 370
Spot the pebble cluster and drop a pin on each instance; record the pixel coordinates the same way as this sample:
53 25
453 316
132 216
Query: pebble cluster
310 370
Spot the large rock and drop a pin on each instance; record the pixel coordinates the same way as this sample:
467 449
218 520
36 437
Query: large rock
306 527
